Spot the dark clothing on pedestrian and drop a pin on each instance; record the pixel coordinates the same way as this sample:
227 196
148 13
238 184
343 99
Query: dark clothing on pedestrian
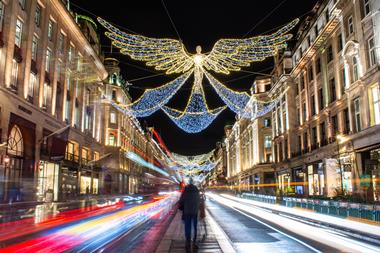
189 204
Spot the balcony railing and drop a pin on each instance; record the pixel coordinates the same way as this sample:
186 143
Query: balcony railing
71 157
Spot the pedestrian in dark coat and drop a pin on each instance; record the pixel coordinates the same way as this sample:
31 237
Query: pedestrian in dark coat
189 204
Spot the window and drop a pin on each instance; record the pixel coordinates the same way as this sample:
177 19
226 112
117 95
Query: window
299 143
355 70
340 42
334 121
71 52
79 63
67 110
314 136
357 114
114 94
312 102
305 141
59 70
1 15
267 122
22 4
310 73
286 149
343 80
61 43
34 48
304 112
18 34
302 82
298 116
32 84
323 133
111 139
14 76
37 17
367 7
77 89
375 105
316 30
68 82
267 141
330 54
47 60
332 90
318 65
47 94
50 30
15 142
350 25
113 118
346 117
76 116
371 52
320 94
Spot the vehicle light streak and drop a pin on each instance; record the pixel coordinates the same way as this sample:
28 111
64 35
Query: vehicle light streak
313 233
350 224
90 235
22 227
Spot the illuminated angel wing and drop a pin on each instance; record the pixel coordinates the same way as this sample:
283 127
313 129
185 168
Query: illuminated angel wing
232 54
165 54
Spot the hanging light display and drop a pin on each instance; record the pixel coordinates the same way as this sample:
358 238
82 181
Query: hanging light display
196 116
170 55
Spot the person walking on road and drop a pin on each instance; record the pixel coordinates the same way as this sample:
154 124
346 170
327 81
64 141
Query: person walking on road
189 204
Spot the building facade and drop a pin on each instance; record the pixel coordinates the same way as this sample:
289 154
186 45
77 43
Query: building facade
326 129
58 139
248 147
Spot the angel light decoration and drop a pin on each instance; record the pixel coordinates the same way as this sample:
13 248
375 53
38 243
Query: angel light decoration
170 55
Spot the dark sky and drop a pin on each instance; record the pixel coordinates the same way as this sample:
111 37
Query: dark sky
198 23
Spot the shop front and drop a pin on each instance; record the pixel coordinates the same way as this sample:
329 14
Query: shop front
48 181
299 179
316 179
283 180
371 168
69 182
89 182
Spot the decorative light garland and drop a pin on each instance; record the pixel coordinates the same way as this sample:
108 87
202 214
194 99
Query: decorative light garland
196 116
153 99
169 55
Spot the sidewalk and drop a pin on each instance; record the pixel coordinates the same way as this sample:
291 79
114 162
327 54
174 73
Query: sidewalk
211 238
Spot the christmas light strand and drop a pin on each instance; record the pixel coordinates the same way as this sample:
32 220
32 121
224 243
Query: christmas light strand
170 55
196 117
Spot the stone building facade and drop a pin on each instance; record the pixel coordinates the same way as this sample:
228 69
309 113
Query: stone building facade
326 129
52 81
248 148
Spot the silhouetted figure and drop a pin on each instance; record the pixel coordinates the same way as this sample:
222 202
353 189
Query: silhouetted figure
189 204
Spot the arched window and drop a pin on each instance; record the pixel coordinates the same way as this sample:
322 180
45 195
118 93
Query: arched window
15 142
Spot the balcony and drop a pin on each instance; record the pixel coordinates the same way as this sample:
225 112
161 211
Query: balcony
71 157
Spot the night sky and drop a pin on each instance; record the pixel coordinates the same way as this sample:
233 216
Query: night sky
198 23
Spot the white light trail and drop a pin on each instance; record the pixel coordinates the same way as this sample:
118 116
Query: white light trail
313 233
